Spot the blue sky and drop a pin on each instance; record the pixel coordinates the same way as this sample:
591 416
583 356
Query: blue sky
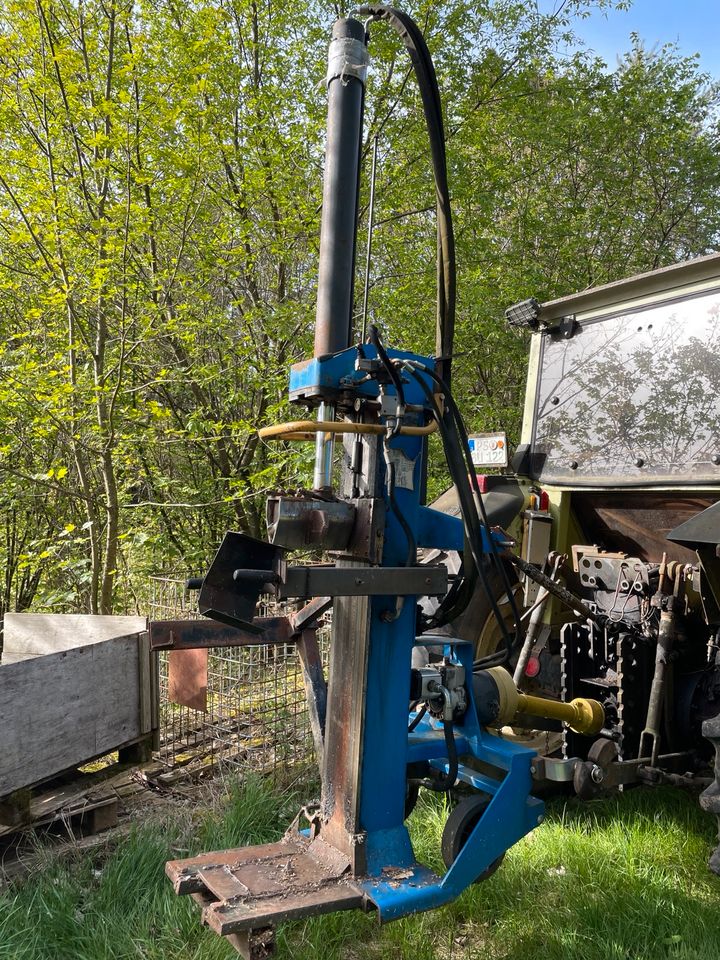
693 24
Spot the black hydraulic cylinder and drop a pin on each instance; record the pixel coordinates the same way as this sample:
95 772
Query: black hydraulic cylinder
347 66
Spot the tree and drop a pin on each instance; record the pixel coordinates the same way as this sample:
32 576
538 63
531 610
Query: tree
159 200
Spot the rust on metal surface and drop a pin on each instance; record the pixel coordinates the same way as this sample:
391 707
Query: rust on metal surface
315 688
253 888
188 678
222 883
192 634
309 614
344 728
639 520
256 944
227 918
185 874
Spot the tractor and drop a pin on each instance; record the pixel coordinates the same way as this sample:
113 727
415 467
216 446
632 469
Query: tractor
613 496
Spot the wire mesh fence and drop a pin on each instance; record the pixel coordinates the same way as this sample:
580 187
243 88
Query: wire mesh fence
256 718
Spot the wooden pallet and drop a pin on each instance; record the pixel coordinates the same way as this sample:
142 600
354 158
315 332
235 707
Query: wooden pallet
77 810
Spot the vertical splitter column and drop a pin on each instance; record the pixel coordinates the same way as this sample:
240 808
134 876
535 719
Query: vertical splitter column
347 69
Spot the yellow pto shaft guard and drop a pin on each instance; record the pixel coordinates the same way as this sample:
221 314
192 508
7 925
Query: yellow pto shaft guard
581 715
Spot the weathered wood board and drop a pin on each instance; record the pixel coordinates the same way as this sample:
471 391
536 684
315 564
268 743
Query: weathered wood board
62 709
36 634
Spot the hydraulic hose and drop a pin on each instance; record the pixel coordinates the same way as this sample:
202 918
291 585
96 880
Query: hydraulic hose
447 781
468 510
390 369
417 718
465 446
412 37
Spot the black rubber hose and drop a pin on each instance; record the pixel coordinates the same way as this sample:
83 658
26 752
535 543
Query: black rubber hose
472 527
412 37
411 557
474 540
469 513
462 433
417 718
391 370
447 781
458 597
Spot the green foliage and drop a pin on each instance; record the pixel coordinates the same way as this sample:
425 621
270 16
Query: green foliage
159 198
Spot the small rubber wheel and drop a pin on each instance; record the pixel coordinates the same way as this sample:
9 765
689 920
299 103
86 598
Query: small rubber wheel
458 828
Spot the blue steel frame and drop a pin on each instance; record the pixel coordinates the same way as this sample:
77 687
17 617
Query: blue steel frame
387 748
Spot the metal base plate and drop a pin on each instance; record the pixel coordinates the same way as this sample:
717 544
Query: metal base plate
255 887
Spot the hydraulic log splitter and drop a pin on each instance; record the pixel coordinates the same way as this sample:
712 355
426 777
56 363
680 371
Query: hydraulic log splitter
407 705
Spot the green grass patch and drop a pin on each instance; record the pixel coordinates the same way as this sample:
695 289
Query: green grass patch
618 879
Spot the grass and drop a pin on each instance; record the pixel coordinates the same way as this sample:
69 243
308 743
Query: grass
618 879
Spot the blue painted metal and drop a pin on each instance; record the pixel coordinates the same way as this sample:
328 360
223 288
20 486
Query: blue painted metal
396 883
328 375
511 813
441 531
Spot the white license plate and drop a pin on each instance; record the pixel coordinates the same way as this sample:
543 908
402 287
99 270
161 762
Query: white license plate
489 449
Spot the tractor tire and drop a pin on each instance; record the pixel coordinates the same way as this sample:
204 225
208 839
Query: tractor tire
710 798
477 622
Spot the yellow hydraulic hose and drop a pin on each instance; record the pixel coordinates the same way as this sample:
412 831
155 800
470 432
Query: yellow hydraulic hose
308 429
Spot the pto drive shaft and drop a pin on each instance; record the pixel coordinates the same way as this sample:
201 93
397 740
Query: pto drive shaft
499 701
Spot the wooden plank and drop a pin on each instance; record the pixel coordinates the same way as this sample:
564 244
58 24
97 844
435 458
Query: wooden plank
47 801
15 810
37 634
91 811
6 657
102 816
145 682
61 710
90 815
155 698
